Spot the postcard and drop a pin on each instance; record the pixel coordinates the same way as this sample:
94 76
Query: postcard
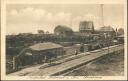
64 40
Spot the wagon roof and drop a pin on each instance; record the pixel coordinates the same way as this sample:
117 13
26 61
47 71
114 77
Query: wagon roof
44 46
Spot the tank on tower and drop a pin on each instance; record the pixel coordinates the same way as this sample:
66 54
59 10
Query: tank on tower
63 30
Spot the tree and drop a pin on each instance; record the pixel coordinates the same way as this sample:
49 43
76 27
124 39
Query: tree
47 32
120 31
40 31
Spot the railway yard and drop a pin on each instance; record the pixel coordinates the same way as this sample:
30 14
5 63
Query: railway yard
87 63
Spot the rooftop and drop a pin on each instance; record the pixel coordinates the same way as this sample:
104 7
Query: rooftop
44 46
106 28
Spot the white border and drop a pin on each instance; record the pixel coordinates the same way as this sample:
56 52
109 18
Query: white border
3 31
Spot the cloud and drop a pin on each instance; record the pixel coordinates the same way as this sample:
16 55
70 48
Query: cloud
90 17
28 14
42 19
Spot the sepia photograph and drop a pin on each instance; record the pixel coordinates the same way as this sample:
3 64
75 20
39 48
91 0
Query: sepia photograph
64 40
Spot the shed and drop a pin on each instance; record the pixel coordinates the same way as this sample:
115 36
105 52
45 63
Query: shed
40 52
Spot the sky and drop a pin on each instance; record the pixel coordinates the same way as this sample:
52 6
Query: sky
28 18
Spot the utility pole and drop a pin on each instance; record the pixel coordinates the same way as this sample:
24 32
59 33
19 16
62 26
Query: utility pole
102 23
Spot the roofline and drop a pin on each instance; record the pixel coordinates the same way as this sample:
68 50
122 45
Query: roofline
45 49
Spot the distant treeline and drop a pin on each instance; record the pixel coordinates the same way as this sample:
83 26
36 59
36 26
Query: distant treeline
15 43
25 40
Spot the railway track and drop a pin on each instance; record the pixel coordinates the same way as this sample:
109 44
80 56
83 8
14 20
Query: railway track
101 51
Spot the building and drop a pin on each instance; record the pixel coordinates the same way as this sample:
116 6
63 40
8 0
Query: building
120 38
39 53
107 30
63 30
46 50
86 27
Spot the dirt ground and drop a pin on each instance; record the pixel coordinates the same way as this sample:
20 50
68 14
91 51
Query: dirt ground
109 65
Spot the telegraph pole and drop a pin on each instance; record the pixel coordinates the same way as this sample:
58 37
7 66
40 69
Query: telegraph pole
102 22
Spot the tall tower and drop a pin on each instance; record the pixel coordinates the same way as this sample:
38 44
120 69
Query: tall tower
102 15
